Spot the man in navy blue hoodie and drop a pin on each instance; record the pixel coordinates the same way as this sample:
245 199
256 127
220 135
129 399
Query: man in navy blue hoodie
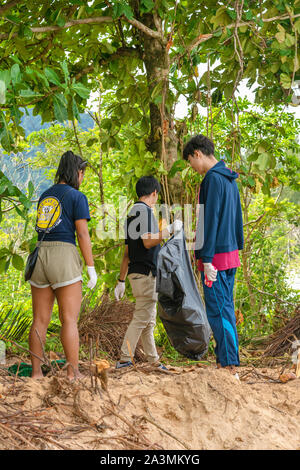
219 236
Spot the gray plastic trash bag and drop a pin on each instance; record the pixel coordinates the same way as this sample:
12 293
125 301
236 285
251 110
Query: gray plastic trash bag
181 308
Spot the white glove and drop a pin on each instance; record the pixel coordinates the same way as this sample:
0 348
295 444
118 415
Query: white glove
93 277
210 272
175 227
119 290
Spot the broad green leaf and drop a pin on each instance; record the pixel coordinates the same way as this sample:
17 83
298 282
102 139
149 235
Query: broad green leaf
5 77
280 36
81 90
17 262
60 107
285 80
289 40
146 5
297 25
91 142
179 165
263 161
5 135
251 181
15 73
275 67
52 76
2 264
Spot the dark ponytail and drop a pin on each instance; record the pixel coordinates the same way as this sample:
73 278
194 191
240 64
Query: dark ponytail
68 168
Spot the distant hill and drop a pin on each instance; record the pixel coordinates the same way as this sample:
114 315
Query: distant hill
17 170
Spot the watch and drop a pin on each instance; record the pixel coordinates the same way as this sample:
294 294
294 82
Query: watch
121 280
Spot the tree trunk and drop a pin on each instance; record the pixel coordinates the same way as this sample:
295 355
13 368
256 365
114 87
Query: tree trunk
163 141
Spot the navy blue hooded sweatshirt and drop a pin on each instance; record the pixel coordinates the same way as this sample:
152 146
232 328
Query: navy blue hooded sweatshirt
220 222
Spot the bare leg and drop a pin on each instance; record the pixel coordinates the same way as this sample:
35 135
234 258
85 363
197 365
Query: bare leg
69 302
42 305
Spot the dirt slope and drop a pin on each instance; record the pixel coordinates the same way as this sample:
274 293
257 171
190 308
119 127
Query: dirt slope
198 408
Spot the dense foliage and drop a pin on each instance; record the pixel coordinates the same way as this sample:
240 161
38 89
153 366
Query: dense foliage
137 60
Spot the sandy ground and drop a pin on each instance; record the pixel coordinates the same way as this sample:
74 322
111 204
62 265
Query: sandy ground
192 407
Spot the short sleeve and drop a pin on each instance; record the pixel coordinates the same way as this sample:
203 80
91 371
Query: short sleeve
81 208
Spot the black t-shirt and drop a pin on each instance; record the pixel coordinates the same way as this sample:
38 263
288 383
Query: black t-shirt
141 220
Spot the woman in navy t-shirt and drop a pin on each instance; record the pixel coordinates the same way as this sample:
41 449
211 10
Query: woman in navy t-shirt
62 211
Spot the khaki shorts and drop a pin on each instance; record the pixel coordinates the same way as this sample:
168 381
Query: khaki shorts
58 265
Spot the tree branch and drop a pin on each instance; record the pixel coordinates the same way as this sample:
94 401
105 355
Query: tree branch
205 37
96 20
148 31
8 6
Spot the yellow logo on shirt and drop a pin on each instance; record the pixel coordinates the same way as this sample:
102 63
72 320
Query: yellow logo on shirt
45 211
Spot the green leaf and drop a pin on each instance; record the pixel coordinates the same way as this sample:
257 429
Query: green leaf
289 40
29 93
146 5
251 181
263 161
2 264
121 8
5 76
5 135
65 70
52 76
297 25
280 36
179 165
91 142
75 109
17 262
275 67
15 73
81 90
61 21
60 107
285 81
2 92
30 189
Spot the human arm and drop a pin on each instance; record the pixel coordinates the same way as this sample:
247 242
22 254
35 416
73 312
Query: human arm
85 246
120 287
210 201
124 264
152 239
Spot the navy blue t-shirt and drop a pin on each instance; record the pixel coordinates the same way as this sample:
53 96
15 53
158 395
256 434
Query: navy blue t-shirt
74 206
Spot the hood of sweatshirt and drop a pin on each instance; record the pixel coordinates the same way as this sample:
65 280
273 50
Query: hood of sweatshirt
223 170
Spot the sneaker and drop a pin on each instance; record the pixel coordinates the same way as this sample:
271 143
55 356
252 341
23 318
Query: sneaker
162 367
119 364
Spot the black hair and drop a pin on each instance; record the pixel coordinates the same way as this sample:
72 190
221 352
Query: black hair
146 185
198 142
68 168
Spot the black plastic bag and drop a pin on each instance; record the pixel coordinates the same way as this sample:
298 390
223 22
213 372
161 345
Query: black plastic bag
181 309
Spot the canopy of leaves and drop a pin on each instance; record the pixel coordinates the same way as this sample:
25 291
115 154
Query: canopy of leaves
53 52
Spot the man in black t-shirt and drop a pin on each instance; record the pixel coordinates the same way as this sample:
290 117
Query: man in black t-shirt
142 245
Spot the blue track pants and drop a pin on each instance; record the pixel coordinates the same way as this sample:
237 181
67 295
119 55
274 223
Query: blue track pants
220 313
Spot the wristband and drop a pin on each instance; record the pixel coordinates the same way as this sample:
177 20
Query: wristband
121 280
